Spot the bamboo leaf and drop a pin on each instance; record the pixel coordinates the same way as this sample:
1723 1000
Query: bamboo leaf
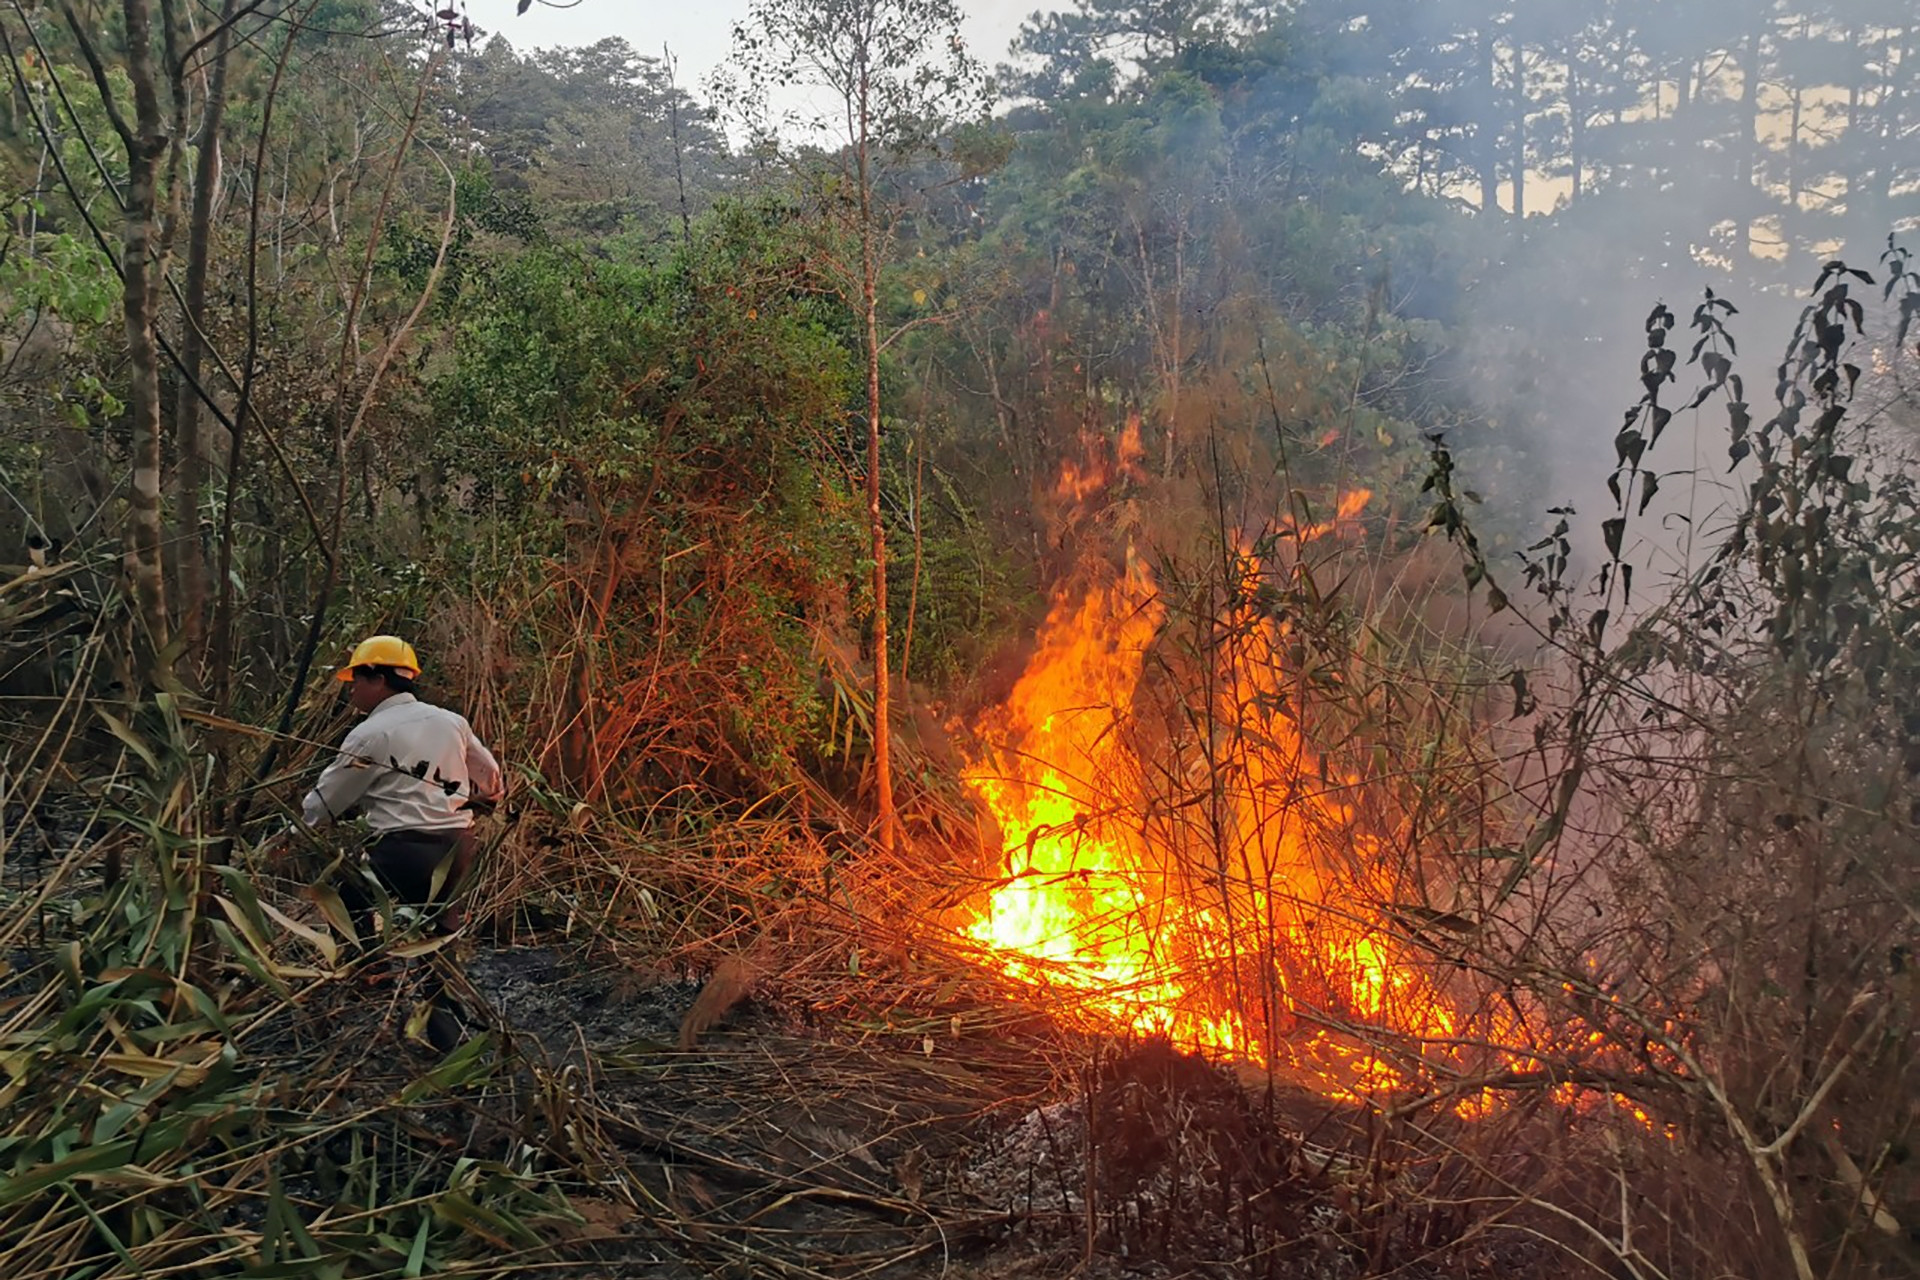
253 930
240 884
464 1065
95 1159
204 1005
425 946
115 1118
143 1067
105 1232
248 958
323 943
223 724
502 1230
135 743
68 958
284 1216
327 898
417 1256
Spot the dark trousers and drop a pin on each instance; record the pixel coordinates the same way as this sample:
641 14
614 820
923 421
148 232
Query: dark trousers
405 862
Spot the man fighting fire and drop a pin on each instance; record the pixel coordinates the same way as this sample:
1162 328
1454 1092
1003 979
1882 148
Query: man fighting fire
415 772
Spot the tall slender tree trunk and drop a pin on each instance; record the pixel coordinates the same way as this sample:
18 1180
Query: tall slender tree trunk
1177 339
1747 145
1518 73
147 145
869 290
1168 333
1488 143
1576 131
1791 218
1857 151
191 443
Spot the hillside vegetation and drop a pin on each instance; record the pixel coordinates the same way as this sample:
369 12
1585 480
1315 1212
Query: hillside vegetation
1398 521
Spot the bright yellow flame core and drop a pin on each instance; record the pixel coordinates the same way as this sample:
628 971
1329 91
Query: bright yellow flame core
1073 908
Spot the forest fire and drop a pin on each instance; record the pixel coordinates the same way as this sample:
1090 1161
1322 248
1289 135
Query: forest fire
1203 891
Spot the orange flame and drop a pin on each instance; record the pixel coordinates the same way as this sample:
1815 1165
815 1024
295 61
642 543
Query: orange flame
1220 924
1216 891
1351 504
1105 462
1069 906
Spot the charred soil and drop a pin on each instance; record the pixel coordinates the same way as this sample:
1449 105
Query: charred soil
794 1142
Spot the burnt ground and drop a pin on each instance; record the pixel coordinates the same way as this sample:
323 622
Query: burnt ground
790 1143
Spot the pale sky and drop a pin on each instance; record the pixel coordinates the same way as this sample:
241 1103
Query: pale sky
700 32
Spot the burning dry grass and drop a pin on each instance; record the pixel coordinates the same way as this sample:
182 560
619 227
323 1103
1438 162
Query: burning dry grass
1236 814
1181 854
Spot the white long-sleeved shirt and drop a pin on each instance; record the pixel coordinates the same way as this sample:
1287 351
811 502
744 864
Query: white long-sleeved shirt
409 766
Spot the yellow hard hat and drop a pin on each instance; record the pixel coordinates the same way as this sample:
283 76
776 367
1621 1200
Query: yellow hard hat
382 651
